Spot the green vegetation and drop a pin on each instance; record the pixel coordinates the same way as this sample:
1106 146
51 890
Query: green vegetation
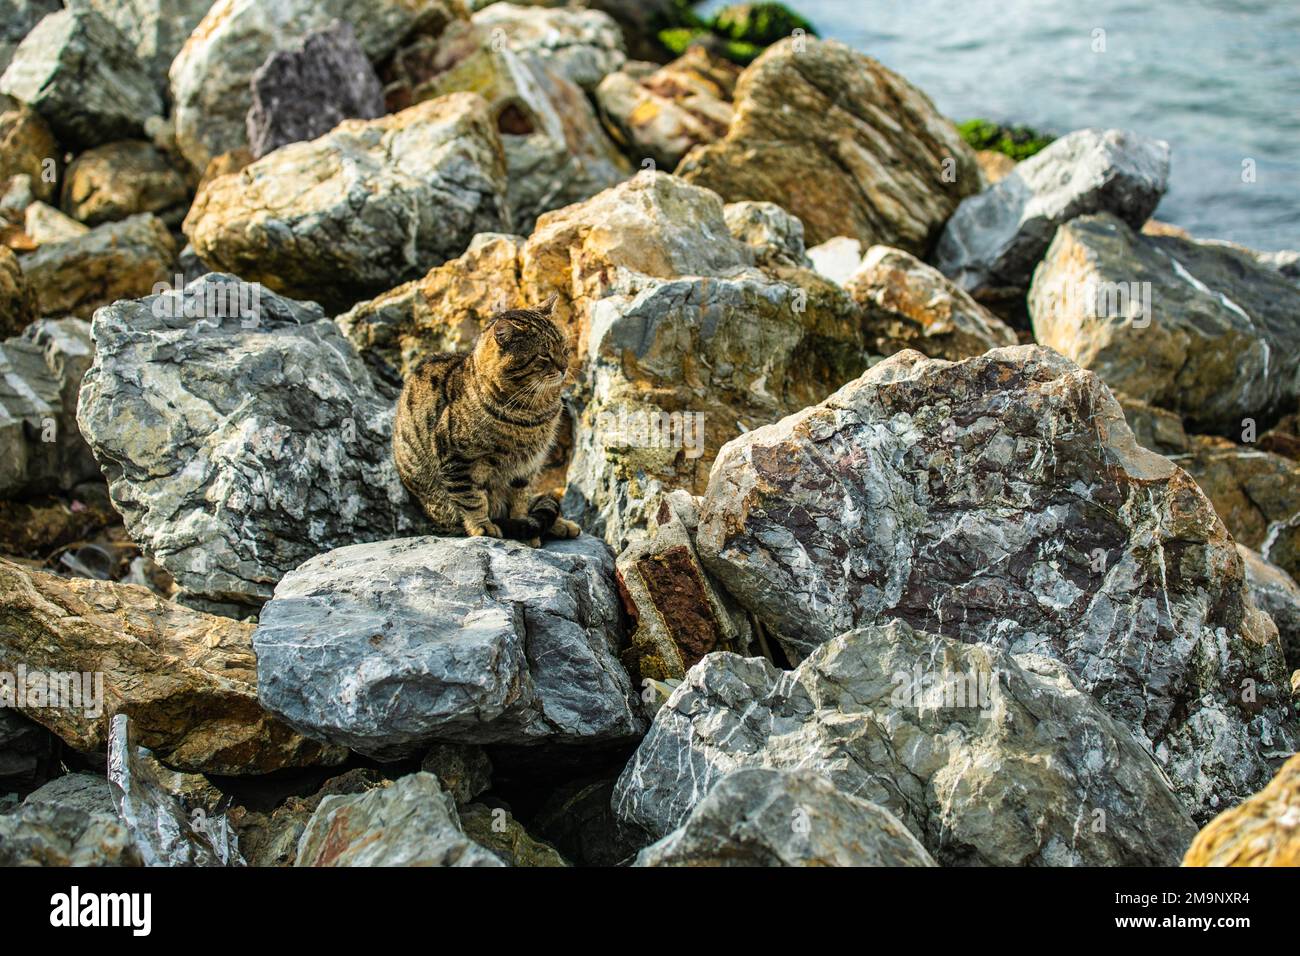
1018 142
739 32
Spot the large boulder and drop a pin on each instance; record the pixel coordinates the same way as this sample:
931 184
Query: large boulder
988 758
187 679
210 77
1199 328
156 29
71 821
581 45
995 238
763 817
1263 831
389 198
1003 500
121 179
386 647
79 72
240 435
845 144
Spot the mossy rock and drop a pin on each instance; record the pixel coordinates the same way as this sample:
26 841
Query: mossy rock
1018 142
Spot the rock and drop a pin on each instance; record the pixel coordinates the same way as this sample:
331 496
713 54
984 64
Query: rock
995 238
410 822
1285 261
662 115
1017 766
908 304
1263 831
578 820
17 18
1283 438
841 142
500 833
994 166
28 753
45 225
187 679
225 164
837 258
237 446
157 29
1156 429
305 91
210 77
581 45
463 770
117 260
775 236
493 642
390 198
1257 494
71 821
1154 227
1002 500
762 817
120 179
17 297
1276 593
1198 328
27 148
78 71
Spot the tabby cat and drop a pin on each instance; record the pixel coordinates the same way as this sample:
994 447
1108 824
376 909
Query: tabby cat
474 428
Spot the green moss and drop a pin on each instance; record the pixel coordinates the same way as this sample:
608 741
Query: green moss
739 33
1018 142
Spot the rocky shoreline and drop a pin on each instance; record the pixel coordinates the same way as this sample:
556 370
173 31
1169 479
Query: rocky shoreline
939 508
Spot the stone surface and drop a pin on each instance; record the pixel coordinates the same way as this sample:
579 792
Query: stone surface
995 238
410 822
305 91
843 143
120 179
386 647
17 297
1003 500
994 166
210 77
17 18
1198 328
908 304
156 29
463 770
1158 429
1263 831
775 236
117 260
71 821
663 115
581 45
1017 766
187 679
762 817
44 225
1276 593
390 198
27 148
240 435
79 72
497 831
837 258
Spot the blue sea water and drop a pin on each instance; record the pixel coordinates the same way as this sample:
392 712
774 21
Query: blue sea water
1219 80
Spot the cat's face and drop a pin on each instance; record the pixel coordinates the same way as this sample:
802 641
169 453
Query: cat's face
524 349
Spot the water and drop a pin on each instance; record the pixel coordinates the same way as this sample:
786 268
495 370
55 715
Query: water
1219 80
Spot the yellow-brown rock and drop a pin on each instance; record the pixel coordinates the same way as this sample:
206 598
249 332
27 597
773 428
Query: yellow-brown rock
17 298
120 179
26 143
1263 831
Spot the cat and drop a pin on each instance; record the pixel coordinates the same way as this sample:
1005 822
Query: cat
474 428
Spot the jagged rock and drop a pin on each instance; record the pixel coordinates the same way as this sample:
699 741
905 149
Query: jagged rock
664 114
1198 328
156 29
40 374
1263 831
79 72
305 91
463 770
1257 494
240 435
1158 429
390 198
775 236
837 258
17 18
495 829
71 821
28 752
761 817
27 148
120 179
556 151
986 757
410 822
1277 594
995 238
187 679
908 304
17 297
210 77
117 260
841 142
45 225
581 45
1003 500
491 642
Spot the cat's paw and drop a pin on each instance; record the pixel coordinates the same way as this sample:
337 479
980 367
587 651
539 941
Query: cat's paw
564 528
487 529
534 542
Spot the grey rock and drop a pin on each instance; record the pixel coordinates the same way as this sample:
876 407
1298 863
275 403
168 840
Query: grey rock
1003 500
157 29
987 758
410 822
71 821
995 238
235 445
17 18
764 817
385 647
1276 593
79 72
305 91
775 236
581 45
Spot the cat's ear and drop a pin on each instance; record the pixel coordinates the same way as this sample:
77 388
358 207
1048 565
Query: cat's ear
547 307
503 330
